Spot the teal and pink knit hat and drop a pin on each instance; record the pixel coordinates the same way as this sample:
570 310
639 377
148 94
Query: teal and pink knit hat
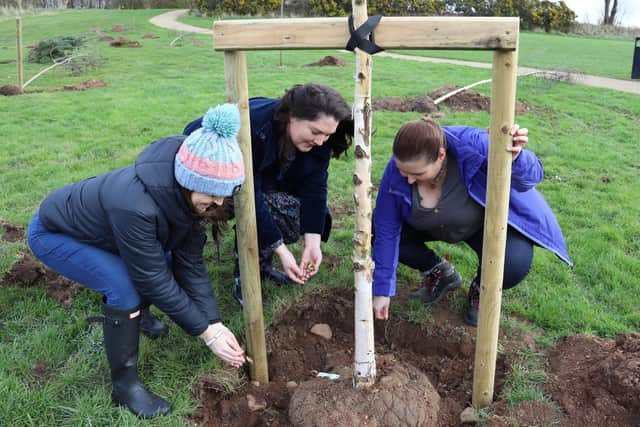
209 160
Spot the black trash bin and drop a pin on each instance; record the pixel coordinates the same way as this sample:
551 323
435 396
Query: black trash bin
635 69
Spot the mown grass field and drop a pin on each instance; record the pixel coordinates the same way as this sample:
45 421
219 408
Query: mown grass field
587 139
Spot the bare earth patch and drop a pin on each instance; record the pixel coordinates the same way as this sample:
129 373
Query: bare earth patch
413 356
29 272
328 61
596 381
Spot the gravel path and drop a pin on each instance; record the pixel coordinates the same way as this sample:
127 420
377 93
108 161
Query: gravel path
168 20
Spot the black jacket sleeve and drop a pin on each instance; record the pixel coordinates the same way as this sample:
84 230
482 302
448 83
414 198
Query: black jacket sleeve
191 273
135 236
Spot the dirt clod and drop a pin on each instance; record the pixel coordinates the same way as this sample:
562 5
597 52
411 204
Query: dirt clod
12 232
330 61
151 36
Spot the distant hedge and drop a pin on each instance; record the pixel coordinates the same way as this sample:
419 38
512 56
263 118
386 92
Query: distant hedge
545 14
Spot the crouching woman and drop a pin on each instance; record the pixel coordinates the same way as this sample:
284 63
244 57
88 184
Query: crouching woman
136 235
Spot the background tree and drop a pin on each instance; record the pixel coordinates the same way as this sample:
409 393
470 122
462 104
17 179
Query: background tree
610 11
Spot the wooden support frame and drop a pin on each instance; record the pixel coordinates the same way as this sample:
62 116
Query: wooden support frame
497 34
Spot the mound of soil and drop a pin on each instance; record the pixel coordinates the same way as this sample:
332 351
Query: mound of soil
29 272
151 36
421 104
328 61
105 38
9 90
443 351
123 42
597 381
470 100
118 28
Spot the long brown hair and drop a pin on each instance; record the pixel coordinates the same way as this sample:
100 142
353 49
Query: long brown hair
308 102
419 139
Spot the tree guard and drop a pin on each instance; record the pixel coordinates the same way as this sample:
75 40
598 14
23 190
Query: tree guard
451 33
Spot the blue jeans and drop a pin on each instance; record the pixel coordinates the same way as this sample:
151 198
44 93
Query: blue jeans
92 267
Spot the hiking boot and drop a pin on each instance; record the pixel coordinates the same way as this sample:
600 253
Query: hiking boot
471 315
437 282
150 326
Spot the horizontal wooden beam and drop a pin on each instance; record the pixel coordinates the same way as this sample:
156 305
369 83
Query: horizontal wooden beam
460 33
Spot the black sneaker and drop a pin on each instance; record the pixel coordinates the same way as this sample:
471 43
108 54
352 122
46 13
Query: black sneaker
471 315
437 282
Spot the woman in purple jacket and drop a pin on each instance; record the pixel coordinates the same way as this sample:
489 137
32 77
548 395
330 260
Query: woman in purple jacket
434 189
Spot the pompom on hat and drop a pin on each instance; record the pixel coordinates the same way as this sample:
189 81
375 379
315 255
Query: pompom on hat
209 160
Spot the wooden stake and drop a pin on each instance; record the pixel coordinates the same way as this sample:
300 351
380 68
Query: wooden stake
235 72
503 96
19 53
365 362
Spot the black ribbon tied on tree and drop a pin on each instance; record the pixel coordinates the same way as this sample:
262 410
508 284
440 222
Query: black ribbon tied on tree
362 37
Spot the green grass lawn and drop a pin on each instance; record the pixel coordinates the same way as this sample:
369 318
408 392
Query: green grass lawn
586 138
609 57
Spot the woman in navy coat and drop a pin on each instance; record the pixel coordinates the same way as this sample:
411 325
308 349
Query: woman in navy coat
292 140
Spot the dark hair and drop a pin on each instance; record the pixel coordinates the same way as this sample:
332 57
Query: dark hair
308 102
418 139
217 216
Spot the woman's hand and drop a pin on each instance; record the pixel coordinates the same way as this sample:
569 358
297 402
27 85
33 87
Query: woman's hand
289 264
519 139
311 256
381 307
223 344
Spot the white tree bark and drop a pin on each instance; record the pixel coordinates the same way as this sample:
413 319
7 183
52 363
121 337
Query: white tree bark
365 362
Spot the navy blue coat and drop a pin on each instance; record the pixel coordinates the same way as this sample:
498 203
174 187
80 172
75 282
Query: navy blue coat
140 213
305 179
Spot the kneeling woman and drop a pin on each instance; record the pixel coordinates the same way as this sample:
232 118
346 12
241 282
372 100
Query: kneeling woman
136 235
434 189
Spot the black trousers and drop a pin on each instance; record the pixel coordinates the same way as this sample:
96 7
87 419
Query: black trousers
415 253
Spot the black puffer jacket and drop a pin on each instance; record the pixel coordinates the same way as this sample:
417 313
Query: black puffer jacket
140 214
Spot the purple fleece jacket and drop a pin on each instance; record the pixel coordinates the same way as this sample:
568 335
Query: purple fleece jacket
529 212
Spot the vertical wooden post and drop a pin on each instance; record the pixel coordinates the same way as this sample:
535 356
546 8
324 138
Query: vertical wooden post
365 361
235 73
281 16
503 95
19 52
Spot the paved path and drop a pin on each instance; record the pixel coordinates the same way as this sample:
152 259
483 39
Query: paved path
169 20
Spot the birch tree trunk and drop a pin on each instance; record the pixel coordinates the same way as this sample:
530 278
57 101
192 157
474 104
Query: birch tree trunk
365 362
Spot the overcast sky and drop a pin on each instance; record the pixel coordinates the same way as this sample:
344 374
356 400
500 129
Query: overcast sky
592 11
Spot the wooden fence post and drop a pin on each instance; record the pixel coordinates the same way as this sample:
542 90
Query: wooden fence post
503 95
19 52
235 72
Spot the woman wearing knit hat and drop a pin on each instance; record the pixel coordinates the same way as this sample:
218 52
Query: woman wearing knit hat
292 140
136 235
